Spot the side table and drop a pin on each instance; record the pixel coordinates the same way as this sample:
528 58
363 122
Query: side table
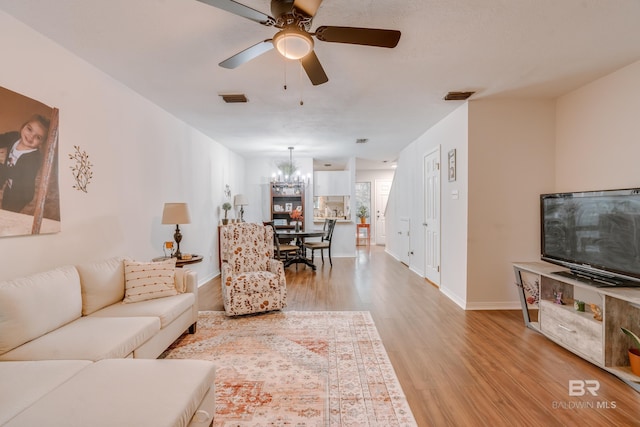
363 236
181 262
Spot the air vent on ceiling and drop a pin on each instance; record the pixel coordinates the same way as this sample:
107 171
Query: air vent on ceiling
458 96
234 98
362 140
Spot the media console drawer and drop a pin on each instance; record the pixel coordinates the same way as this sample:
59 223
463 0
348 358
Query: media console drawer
578 332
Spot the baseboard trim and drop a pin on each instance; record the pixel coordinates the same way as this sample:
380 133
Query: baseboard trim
494 305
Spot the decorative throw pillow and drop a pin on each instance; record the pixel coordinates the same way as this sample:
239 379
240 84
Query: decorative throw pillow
149 280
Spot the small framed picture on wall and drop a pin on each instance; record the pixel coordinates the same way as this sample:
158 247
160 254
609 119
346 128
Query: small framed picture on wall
452 165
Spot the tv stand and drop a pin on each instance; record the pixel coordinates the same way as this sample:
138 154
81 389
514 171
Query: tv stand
601 342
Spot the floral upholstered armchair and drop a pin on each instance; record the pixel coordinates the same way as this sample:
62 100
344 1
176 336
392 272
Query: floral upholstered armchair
252 281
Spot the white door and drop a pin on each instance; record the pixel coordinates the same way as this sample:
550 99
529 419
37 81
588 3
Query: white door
383 187
432 215
405 242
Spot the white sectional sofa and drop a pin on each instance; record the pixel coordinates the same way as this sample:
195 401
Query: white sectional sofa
107 393
75 344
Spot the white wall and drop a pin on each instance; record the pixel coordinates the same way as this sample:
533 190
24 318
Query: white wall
511 162
598 128
504 158
407 199
142 157
518 149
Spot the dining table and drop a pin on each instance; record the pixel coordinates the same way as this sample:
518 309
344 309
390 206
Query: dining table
300 257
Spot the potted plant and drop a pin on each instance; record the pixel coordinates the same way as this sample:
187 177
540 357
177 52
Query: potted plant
363 214
226 207
634 352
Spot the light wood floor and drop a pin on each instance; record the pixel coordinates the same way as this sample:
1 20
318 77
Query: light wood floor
456 367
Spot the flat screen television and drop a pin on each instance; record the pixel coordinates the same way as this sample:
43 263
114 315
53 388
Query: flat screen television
595 234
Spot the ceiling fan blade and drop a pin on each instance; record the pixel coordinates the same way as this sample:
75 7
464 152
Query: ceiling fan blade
247 55
362 36
309 7
241 10
313 68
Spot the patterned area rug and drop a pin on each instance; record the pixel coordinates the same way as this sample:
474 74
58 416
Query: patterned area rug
297 369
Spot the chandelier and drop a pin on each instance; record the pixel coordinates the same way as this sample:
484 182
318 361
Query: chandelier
288 174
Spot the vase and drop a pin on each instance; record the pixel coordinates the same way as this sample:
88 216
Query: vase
363 220
297 227
634 360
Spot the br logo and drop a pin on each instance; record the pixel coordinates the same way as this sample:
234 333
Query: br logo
580 387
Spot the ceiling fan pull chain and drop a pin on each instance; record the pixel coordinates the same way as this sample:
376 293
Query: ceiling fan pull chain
285 74
300 82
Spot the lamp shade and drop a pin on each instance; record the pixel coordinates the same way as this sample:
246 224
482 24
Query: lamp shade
176 213
240 200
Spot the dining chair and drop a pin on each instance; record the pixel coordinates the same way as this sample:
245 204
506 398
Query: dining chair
281 251
324 243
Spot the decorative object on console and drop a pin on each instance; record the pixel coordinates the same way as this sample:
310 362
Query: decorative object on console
226 206
176 213
597 312
558 297
578 305
634 352
531 290
240 200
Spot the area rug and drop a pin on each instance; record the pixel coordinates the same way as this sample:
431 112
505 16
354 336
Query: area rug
297 369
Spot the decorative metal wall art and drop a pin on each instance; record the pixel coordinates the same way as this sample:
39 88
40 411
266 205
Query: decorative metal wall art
82 169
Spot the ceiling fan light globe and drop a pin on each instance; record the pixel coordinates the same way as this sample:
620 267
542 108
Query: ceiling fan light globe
293 44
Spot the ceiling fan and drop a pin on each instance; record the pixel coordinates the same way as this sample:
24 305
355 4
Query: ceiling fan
294 39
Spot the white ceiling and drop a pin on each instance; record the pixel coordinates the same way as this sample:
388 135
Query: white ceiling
168 51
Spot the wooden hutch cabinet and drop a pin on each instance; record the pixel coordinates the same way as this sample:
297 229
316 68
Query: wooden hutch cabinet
285 198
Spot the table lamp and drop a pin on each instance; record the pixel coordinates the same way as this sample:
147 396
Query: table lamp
176 213
240 200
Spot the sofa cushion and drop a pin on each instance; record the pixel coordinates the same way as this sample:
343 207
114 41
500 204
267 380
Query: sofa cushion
33 305
124 392
23 383
149 280
102 283
167 309
89 338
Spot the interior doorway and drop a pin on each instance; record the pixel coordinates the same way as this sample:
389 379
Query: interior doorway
382 190
432 215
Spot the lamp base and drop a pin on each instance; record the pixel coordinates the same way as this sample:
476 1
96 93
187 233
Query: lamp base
177 236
